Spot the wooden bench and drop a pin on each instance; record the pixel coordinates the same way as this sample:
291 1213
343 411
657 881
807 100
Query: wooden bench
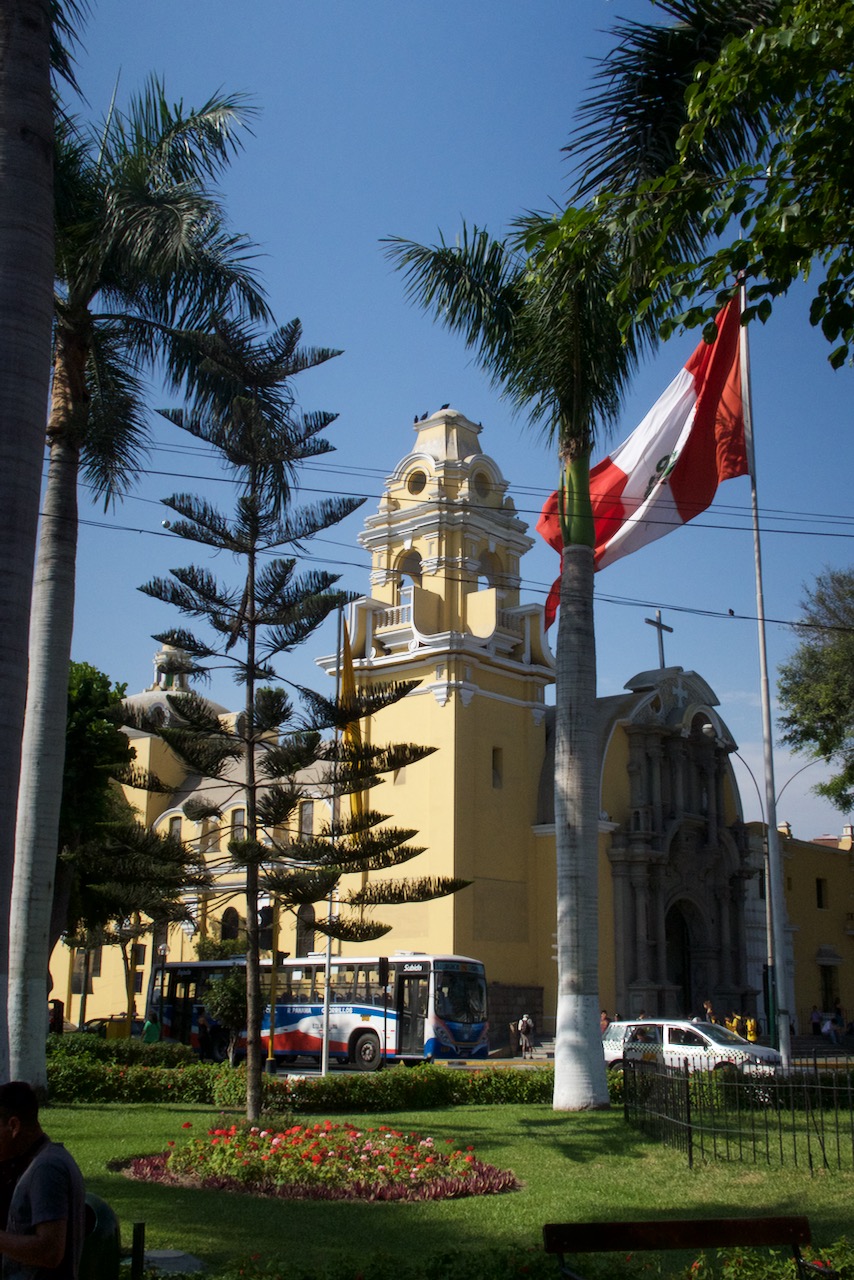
564 1238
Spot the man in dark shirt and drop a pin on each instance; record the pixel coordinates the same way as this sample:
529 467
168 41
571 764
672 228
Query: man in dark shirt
46 1224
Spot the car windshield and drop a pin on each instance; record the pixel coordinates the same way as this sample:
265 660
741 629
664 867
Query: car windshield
721 1035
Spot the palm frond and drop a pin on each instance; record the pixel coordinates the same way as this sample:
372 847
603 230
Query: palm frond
629 126
181 144
473 287
67 16
116 439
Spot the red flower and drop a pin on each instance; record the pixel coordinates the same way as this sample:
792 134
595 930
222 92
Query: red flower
188 1124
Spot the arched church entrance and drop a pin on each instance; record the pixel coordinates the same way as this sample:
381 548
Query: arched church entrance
680 970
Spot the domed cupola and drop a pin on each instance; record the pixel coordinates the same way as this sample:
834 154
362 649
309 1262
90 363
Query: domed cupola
171 668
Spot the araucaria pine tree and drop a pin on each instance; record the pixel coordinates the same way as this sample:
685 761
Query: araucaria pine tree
246 411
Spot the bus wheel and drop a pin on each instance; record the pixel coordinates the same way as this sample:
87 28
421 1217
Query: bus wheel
366 1052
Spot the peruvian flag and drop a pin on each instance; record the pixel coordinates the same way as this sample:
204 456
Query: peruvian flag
669 468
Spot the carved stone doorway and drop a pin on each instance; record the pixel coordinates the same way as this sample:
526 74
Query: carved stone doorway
680 975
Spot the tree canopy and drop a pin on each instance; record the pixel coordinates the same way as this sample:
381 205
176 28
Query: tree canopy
816 686
723 147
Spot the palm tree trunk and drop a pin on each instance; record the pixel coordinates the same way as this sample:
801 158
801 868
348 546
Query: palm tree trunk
26 308
43 758
580 1080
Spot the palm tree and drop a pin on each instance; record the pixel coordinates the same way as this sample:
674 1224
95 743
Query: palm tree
142 256
26 282
545 329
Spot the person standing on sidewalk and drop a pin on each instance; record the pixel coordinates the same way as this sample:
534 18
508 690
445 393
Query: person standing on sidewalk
526 1031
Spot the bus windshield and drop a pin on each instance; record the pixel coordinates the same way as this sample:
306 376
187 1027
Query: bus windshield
460 996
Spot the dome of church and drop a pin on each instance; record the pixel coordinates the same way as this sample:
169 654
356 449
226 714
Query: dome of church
171 668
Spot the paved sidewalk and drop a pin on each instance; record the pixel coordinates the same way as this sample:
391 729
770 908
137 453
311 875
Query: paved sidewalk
172 1261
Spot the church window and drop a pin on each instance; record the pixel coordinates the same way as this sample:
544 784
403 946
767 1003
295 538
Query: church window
305 929
229 925
482 487
821 894
829 980
209 840
238 824
497 768
265 927
175 828
79 967
306 819
416 482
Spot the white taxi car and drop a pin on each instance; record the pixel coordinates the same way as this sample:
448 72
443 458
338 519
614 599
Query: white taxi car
705 1046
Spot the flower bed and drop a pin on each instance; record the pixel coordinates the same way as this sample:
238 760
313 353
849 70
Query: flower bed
326 1161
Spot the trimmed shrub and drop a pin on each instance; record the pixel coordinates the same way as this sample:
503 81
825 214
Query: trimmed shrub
85 1044
79 1079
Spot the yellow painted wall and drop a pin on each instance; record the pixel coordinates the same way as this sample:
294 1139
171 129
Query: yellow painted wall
820 932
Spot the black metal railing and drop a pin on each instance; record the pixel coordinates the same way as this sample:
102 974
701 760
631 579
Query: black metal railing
803 1118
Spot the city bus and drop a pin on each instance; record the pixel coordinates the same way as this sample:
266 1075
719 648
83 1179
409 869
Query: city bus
406 1007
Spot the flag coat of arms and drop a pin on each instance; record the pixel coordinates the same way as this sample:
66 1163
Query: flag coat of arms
669 468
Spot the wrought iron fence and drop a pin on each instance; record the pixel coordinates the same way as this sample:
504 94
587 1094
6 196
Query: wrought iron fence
803 1118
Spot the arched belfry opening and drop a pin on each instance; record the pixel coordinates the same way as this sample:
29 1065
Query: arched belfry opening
409 572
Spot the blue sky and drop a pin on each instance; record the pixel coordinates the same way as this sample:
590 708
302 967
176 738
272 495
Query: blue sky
394 117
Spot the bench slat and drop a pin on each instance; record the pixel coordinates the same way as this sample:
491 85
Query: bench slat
688 1233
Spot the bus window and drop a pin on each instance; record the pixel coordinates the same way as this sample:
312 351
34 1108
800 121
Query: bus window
460 996
342 983
302 983
368 989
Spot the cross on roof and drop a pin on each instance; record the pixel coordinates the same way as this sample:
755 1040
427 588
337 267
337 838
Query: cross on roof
660 627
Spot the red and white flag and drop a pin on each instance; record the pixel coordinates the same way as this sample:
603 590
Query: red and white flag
668 469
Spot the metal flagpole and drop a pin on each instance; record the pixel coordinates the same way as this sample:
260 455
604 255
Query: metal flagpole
774 888
324 1058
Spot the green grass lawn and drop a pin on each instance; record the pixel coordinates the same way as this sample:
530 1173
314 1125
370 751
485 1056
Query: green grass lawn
572 1167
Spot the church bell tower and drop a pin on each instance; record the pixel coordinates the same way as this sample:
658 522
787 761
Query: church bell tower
446 545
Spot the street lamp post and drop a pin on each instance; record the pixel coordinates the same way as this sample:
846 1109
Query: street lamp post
776 958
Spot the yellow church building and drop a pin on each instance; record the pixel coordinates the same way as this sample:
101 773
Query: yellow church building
681 883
